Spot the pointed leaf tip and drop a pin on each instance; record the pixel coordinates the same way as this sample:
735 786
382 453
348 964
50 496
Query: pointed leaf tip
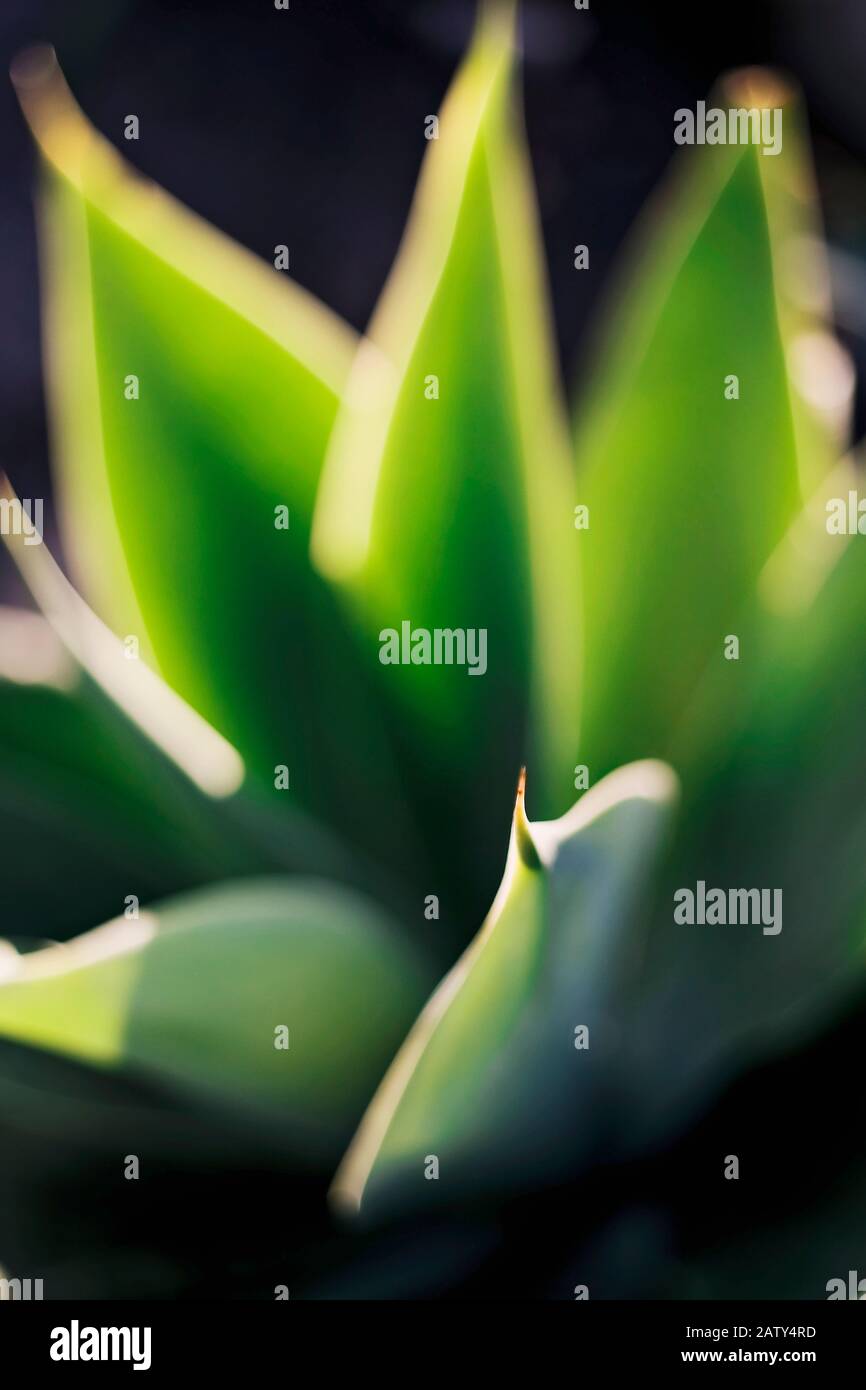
522 833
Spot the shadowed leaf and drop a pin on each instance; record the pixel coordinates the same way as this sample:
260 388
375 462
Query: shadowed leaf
491 1081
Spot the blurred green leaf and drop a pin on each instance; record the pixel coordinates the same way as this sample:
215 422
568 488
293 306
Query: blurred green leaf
89 812
688 491
452 510
170 500
492 1081
194 991
774 766
110 784
68 1212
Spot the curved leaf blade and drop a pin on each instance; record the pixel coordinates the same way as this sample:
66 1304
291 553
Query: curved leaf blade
195 991
491 1082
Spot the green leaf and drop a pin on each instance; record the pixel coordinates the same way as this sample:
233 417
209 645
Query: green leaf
454 511
194 991
110 784
774 767
688 491
491 1080
171 499
90 810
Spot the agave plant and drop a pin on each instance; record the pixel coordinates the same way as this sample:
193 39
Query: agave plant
226 735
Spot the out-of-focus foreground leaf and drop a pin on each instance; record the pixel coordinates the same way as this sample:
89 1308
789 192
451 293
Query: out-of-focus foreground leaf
689 491
497 1081
111 785
445 499
67 1210
195 991
89 812
67 1131
775 768
171 500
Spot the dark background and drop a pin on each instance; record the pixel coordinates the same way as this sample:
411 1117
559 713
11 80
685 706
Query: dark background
306 127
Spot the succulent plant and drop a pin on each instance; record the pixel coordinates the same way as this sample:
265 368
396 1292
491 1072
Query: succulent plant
251 733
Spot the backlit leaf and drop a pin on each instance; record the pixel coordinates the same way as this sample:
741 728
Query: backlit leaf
446 497
173 484
691 477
